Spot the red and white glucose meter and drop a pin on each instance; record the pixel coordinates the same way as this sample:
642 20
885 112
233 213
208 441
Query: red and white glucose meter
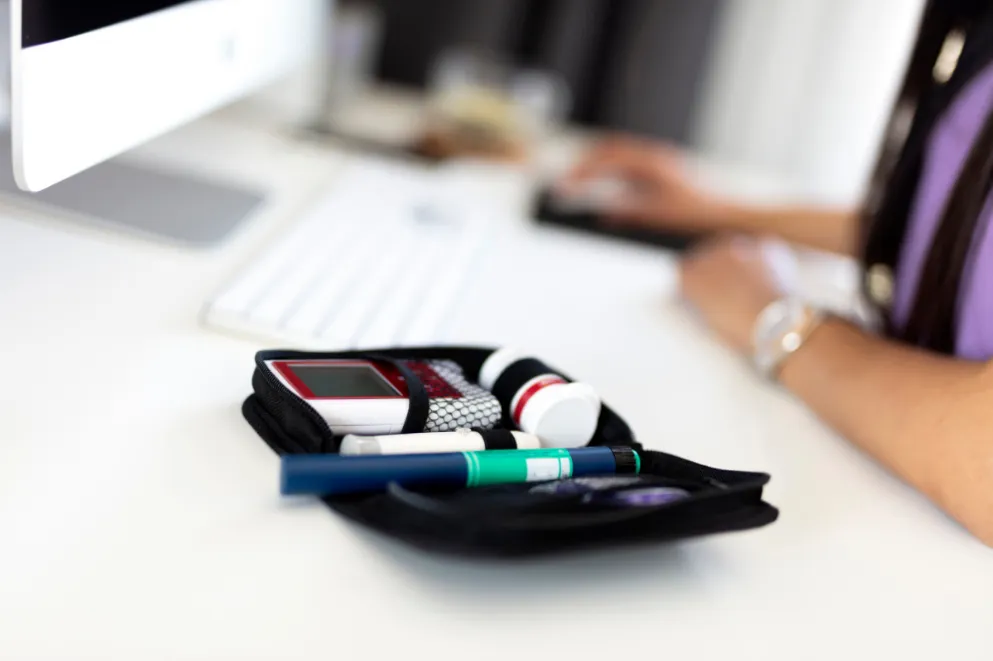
360 396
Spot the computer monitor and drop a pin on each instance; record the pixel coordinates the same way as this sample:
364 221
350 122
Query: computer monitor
93 78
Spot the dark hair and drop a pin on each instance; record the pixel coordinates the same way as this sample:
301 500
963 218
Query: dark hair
933 317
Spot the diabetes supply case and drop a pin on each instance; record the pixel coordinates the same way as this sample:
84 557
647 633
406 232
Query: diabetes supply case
511 519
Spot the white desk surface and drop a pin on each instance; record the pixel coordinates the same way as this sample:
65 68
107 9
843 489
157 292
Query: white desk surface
139 514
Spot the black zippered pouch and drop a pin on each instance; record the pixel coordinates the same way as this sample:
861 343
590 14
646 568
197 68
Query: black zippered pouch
513 519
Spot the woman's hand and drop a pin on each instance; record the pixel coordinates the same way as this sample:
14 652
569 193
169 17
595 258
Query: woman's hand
658 192
730 281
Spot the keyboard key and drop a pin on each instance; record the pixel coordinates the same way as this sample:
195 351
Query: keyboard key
401 302
290 286
319 303
366 295
425 326
253 281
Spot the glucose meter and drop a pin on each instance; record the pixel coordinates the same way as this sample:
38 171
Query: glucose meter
371 398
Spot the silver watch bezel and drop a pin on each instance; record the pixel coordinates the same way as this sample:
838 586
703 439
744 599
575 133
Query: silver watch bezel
779 331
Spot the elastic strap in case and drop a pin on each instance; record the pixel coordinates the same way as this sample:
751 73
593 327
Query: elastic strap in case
419 404
497 439
516 375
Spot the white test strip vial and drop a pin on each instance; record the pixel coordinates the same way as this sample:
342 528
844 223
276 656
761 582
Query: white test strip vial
562 414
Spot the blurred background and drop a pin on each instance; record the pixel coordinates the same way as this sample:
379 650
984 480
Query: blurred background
797 89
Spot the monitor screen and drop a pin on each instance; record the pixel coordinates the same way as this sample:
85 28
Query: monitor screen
45 21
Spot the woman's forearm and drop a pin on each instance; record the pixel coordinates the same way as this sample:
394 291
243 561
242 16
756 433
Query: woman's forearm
926 417
833 230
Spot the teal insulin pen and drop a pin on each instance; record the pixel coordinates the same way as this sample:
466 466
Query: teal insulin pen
332 474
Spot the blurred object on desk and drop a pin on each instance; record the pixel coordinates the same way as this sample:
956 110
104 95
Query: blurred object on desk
481 107
351 54
549 210
631 65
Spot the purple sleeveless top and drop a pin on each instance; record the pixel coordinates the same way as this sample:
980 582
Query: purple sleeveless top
945 155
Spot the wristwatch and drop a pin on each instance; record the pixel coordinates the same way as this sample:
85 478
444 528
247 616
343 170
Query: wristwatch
781 328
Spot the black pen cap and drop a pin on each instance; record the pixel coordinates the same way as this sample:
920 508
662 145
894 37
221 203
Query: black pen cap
627 460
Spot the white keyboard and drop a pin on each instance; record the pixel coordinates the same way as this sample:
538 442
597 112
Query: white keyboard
380 260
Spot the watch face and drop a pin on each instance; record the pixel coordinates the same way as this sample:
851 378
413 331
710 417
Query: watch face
783 326
781 330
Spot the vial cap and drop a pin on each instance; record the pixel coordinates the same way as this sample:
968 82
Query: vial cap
562 416
496 364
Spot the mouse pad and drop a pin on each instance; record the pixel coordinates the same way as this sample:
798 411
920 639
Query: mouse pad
545 211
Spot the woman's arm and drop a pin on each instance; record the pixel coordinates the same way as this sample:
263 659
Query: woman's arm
928 417
661 195
833 230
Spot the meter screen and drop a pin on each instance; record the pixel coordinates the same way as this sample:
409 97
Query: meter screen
342 380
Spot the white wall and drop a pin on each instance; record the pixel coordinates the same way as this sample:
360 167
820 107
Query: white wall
4 63
803 88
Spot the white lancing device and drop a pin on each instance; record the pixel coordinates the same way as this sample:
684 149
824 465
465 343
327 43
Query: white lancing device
429 443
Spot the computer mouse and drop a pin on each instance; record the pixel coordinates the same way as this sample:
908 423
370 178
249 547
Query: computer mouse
594 196
548 210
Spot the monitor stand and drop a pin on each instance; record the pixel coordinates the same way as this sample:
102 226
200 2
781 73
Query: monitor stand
138 199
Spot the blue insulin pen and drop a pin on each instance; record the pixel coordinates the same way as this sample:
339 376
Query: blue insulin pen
332 474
